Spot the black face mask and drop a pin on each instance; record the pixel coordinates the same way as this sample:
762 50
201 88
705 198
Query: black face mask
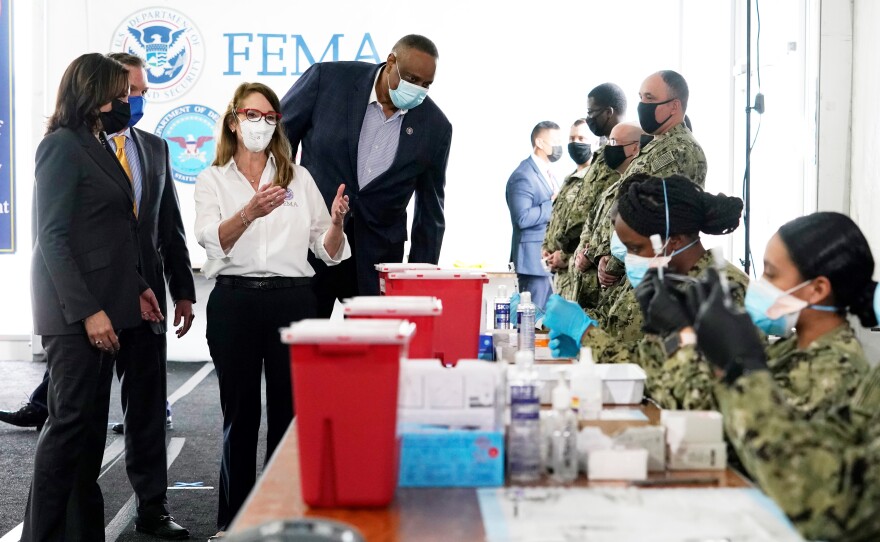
579 152
614 155
594 127
648 117
557 153
116 120
644 140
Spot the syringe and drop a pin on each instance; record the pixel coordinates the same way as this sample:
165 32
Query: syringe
720 265
657 245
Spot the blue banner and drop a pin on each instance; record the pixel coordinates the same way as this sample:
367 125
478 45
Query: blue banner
7 169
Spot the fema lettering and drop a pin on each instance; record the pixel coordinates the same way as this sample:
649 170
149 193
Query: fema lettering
283 54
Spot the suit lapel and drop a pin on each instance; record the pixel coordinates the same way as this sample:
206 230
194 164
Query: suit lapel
357 108
102 156
542 182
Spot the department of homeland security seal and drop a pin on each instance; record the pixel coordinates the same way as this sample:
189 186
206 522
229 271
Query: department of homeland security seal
170 44
189 132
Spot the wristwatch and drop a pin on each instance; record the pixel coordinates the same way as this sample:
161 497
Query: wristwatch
676 340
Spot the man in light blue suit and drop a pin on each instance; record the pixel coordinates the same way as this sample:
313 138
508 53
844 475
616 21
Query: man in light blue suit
530 192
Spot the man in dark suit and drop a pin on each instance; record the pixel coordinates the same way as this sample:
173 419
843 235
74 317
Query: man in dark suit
374 129
530 192
86 290
141 361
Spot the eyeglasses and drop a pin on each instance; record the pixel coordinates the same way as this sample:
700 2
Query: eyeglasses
254 115
618 143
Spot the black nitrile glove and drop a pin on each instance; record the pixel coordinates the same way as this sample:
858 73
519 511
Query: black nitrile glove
726 334
663 305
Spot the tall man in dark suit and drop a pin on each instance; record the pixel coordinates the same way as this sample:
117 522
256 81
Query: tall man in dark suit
374 129
531 189
141 361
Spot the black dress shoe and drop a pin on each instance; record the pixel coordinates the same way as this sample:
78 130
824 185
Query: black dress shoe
161 527
27 416
118 428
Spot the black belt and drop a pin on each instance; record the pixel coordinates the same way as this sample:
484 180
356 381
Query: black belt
263 283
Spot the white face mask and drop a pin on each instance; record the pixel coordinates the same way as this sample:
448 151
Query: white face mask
256 135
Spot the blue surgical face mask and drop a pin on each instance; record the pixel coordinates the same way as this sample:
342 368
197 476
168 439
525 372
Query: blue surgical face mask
137 104
774 311
406 95
618 249
637 266
877 302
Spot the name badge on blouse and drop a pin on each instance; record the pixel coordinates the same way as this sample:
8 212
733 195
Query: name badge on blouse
288 199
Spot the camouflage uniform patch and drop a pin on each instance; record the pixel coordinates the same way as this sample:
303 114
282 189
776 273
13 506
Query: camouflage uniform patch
675 152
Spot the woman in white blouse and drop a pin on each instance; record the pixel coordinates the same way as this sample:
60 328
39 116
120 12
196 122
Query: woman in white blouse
257 216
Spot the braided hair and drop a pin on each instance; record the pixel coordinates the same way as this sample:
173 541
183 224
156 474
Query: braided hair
832 245
642 204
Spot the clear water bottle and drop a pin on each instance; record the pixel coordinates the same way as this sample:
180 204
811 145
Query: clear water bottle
524 433
502 309
526 313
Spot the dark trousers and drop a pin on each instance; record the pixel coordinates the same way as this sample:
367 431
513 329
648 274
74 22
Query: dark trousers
39 397
537 285
243 338
141 368
65 501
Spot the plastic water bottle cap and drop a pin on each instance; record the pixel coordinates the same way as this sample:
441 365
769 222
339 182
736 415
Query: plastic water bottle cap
561 396
586 356
525 298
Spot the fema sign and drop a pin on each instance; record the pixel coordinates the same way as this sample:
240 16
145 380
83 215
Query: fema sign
170 44
189 132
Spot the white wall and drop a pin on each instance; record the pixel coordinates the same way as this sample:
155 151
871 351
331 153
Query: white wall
865 159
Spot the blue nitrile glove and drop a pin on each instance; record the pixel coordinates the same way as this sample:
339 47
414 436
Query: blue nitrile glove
567 318
514 304
563 346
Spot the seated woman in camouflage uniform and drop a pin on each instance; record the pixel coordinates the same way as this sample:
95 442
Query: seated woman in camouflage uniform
803 420
677 210
815 268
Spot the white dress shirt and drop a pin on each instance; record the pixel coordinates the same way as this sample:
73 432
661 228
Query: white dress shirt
274 245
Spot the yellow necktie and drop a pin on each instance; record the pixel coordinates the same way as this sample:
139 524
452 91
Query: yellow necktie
123 160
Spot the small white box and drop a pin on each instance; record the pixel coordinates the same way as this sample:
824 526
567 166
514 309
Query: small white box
617 464
692 427
648 438
699 457
470 394
622 383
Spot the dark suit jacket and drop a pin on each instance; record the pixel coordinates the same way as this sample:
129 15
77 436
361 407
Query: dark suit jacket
163 251
85 256
529 200
324 110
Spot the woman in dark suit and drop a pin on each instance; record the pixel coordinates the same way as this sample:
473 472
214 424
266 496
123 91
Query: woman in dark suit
86 288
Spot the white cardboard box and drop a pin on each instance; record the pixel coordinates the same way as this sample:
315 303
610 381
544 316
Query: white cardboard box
699 457
471 394
692 427
617 464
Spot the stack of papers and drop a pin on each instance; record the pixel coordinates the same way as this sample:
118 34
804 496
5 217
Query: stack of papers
632 515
